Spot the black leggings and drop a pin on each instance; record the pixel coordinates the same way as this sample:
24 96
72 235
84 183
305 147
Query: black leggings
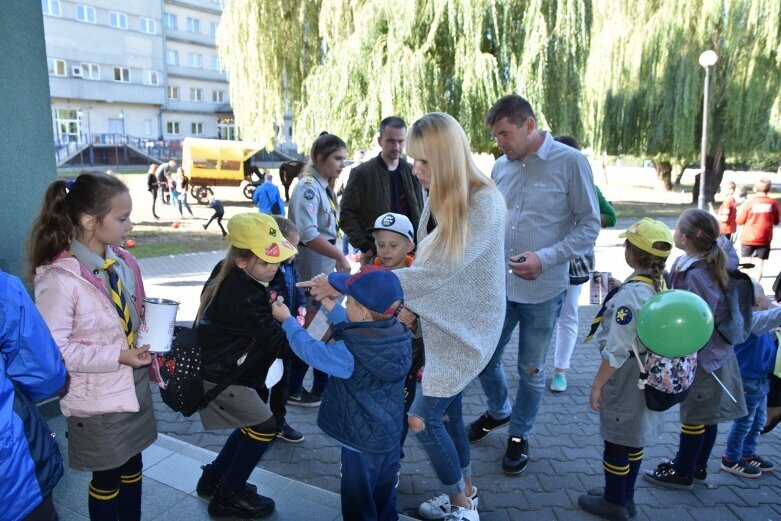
217 216
111 479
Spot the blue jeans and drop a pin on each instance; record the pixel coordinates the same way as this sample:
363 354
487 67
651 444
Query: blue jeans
369 485
445 441
536 323
744 434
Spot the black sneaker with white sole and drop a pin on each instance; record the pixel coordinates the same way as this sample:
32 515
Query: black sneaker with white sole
483 425
666 475
289 434
740 468
304 398
517 455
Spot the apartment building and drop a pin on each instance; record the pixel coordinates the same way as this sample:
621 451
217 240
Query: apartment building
134 74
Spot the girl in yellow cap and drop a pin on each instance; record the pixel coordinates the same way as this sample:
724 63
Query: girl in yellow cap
236 327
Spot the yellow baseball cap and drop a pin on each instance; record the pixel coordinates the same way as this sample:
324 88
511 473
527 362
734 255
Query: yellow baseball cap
645 232
260 234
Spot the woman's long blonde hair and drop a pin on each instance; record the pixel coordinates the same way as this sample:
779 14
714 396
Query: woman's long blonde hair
441 141
211 289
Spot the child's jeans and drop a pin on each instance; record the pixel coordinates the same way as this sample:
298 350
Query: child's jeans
445 441
369 485
744 434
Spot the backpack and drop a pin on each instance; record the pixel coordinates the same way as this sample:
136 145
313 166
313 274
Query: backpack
740 299
665 380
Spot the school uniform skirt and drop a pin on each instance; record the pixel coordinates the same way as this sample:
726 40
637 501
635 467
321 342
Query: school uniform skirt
707 403
234 408
107 441
624 419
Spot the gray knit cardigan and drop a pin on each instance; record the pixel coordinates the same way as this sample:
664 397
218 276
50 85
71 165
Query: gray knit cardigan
461 310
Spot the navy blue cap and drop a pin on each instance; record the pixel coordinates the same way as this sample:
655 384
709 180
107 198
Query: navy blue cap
375 288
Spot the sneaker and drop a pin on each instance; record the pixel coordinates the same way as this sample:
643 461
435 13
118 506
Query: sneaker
289 434
700 475
740 468
598 506
304 398
208 483
666 475
483 425
631 508
244 504
439 507
463 514
517 455
558 383
760 463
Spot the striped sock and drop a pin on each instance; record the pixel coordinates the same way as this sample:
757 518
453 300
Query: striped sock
250 449
103 504
635 460
615 461
130 497
691 441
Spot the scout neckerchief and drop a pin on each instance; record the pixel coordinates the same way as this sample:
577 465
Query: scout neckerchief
598 319
119 301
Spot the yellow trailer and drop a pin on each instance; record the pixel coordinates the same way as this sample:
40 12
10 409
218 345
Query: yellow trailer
219 162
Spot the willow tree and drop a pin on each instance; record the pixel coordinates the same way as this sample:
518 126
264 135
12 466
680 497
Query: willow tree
645 86
342 65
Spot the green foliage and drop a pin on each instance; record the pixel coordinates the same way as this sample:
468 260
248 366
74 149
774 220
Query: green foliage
622 75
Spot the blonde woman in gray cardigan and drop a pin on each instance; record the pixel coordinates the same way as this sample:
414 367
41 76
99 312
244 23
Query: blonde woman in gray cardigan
457 288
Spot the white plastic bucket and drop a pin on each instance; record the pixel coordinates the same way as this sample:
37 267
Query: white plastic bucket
157 325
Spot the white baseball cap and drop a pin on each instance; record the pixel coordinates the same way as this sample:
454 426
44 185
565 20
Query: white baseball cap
394 222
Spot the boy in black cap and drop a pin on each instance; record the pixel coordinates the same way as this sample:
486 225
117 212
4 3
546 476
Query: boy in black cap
363 405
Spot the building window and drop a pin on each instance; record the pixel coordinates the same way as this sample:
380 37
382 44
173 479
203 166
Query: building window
196 129
172 57
56 67
213 29
118 20
215 62
122 74
148 25
170 21
173 93
151 78
90 71
193 25
195 60
172 127
51 7
218 96
85 13
196 94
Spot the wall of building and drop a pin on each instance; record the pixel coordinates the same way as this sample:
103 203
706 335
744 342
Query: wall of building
27 165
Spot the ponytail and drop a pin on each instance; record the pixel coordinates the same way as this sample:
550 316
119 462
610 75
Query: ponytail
52 230
64 203
649 263
702 230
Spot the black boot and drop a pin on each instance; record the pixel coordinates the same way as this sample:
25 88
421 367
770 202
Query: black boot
245 503
631 508
599 507
209 482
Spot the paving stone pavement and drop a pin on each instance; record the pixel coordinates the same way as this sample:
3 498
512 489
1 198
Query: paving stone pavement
565 448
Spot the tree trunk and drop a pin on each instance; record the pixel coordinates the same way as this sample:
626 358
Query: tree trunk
678 170
664 170
714 173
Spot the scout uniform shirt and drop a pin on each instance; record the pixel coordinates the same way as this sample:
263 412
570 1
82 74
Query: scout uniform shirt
314 214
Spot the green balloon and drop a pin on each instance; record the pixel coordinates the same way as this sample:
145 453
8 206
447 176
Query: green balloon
675 323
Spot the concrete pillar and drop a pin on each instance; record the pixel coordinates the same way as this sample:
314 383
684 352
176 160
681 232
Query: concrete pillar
27 163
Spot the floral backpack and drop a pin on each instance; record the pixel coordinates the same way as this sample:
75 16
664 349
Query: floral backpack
666 380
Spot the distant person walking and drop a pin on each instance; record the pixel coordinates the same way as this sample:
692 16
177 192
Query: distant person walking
268 198
152 184
219 213
164 171
758 216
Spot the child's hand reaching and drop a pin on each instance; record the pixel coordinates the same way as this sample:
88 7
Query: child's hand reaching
319 287
408 318
279 310
137 357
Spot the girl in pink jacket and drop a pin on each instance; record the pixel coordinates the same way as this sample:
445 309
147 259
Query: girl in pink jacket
89 291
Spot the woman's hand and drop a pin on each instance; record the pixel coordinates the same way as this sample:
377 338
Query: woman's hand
319 288
137 357
280 310
343 265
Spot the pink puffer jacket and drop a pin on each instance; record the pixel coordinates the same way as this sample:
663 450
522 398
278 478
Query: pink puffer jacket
86 327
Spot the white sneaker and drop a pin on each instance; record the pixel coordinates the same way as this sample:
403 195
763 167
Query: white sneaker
463 514
440 508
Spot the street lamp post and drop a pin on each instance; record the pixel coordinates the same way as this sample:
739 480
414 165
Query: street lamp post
707 60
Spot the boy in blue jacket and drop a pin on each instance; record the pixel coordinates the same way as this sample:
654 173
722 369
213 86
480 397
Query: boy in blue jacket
31 368
363 406
756 358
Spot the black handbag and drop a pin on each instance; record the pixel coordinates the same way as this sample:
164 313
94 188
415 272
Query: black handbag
580 269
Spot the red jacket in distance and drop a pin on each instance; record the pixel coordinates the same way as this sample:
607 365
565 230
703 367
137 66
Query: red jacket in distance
758 216
727 216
